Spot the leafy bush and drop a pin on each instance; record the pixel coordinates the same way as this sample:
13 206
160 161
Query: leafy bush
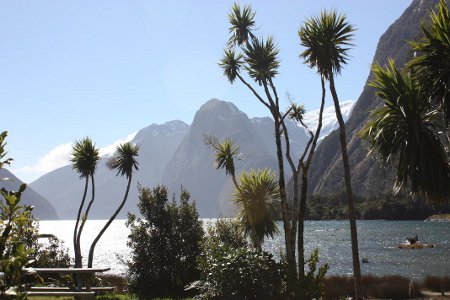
313 285
51 254
165 244
232 270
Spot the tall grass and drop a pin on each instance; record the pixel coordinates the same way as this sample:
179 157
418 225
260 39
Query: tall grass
379 287
436 284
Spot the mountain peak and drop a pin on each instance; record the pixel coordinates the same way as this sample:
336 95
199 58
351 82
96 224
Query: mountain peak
216 104
169 128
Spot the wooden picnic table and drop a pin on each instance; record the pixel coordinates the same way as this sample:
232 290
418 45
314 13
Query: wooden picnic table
84 278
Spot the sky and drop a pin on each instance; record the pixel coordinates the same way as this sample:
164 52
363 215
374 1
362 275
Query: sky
107 68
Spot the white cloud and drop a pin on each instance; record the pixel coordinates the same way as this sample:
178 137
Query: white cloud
60 157
56 158
110 149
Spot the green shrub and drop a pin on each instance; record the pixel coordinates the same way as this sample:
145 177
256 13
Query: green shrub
313 285
51 254
15 228
233 270
164 244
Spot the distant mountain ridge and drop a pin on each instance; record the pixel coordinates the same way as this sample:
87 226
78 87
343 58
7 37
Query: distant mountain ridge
174 154
42 208
64 189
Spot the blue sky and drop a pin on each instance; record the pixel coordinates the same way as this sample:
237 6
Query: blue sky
106 69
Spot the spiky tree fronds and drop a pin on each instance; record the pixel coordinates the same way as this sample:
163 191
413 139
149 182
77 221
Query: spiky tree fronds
327 39
255 202
242 23
225 154
407 129
85 157
296 112
431 63
261 59
3 152
124 159
231 64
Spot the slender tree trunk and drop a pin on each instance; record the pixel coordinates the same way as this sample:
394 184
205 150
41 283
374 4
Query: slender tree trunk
348 186
301 226
290 246
304 190
113 217
78 263
83 221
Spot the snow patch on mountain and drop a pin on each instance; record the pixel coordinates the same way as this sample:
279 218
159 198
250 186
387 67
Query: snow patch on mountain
329 121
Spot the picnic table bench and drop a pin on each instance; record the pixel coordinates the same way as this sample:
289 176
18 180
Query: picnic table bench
83 290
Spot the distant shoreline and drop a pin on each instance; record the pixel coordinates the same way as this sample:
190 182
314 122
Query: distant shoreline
439 218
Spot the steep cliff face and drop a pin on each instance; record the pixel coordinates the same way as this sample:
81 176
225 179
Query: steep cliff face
368 177
192 164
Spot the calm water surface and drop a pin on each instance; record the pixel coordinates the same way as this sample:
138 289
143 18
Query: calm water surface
378 242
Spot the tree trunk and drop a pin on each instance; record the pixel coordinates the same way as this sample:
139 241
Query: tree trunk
113 217
83 221
78 262
304 191
290 246
348 186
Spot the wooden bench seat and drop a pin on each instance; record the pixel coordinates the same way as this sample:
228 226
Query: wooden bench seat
62 289
86 294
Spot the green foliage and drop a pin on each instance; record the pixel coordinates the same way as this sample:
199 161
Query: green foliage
225 153
258 191
231 64
327 39
165 243
3 152
407 128
261 60
296 112
85 157
387 207
258 57
51 254
312 286
242 23
232 270
431 65
124 159
15 220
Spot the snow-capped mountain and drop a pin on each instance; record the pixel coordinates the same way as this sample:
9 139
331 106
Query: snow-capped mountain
174 154
329 121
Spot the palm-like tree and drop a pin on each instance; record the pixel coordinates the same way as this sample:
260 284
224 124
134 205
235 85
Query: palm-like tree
408 129
255 201
84 161
225 153
242 23
431 64
327 39
124 161
259 58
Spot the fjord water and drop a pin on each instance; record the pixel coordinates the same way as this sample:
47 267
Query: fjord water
378 242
